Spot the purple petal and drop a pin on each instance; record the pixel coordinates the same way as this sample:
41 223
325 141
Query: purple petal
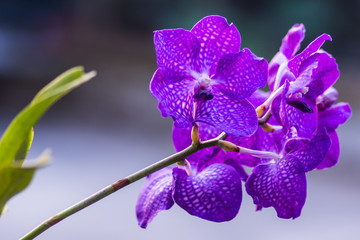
290 45
272 142
214 194
278 106
182 140
176 52
274 65
327 99
305 123
175 99
295 143
313 153
333 116
324 76
286 76
291 42
155 196
281 185
259 97
318 73
216 38
314 46
289 116
332 155
239 75
237 118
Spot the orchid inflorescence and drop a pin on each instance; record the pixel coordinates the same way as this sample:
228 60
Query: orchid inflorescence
210 87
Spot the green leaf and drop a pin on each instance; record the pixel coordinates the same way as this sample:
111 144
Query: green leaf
18 130
16 141
25 147
15 178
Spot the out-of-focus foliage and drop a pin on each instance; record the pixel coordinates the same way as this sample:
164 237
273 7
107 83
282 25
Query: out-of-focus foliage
17 139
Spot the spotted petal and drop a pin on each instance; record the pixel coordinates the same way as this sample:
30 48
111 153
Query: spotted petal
333 116
175 99
281 185
274 66
238 75
289 116
295 143
305 123
216 38
176 52
237 118
327 99
332 155
214 194
317 73
291 42
258 97
290 45
313 153
155 196
295 63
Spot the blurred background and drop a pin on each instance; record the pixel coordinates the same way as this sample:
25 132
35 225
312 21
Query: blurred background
110 127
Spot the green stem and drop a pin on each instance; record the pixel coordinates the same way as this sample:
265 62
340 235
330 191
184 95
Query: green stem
120 184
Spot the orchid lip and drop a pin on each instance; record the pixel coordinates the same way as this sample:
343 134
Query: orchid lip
203 94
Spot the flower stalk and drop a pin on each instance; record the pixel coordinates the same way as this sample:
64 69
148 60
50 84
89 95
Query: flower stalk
261 109
229 146
177 157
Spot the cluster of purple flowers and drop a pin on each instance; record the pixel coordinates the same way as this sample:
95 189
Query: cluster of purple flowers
204 78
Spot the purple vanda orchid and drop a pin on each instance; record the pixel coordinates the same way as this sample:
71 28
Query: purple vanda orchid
203 76
308 98
305 76
330 116
278 183
306 108
155 196
213 194
281 183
